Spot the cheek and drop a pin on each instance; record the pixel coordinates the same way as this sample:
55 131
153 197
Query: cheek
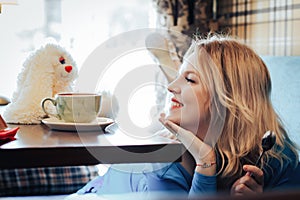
196 105
191 99
192 105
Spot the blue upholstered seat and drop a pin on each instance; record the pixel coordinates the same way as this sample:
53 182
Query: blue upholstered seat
285 76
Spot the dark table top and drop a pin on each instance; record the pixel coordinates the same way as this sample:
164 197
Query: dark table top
40 146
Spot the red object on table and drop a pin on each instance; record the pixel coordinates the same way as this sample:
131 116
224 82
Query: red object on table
3 124
8 133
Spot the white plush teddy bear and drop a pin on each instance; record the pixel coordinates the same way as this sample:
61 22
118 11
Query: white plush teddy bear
46 72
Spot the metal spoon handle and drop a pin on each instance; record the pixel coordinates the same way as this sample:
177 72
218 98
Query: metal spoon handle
259 158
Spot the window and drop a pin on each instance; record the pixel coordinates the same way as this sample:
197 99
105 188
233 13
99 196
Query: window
80 26
77 25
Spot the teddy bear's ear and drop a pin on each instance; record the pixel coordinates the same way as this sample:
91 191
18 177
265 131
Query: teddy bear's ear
50 40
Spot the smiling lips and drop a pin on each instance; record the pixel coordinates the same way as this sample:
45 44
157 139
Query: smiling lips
175 104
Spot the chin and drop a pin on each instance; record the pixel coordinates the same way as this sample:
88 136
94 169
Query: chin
174 116
185 123
174 120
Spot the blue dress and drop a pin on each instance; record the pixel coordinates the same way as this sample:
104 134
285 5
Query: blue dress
173 178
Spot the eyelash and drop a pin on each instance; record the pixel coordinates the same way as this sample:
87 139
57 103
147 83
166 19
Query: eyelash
189 80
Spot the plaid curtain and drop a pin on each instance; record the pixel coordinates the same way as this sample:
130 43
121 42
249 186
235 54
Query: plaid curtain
189 17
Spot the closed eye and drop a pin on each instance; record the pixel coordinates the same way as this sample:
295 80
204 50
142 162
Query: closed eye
190 80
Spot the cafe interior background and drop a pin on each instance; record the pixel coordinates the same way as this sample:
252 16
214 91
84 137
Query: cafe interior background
271 27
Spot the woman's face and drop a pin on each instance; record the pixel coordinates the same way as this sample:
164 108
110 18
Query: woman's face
190 101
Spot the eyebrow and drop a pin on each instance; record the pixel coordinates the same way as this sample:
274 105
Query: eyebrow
191 72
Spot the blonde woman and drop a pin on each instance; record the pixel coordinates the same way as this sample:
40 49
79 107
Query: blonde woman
220 110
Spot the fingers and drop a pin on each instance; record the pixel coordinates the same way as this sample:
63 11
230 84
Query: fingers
178 131
173 128
241 189
186 137
193 144
167 134
250 183
256 173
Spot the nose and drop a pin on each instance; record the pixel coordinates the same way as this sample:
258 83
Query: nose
68 68
173 87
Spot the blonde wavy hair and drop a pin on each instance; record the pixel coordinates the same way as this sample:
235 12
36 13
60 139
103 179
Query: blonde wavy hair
238 80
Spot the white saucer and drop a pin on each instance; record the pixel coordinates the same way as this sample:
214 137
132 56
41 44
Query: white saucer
56 124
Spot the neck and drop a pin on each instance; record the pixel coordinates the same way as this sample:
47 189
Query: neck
188 162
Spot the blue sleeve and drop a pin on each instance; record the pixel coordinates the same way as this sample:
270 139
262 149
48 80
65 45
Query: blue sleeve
172 178
176 179
283 176
155 183
202 184
168 178
116 181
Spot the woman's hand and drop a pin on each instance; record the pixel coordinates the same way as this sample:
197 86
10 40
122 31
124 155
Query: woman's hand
250 183
202 153
167 134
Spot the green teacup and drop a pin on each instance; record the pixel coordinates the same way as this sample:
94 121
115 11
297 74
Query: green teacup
75 107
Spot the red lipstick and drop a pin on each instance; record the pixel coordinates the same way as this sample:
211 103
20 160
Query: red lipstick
175 104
